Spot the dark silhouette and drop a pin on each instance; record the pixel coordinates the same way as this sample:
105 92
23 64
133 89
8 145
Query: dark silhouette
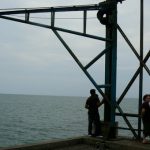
145 114
92 105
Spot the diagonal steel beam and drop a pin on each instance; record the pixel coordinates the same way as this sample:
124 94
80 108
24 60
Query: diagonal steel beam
77 61
132 80
97 57
55 28
133 49
94 83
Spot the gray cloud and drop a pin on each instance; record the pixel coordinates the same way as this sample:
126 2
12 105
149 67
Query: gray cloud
33 61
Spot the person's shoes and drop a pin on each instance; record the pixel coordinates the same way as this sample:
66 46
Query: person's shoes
89 134
95 135
144 141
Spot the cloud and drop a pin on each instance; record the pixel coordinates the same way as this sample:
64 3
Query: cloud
33 61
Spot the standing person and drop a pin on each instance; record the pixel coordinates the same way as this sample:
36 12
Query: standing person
145 114
92 104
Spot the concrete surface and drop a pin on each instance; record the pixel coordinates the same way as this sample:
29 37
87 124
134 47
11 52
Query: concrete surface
85 143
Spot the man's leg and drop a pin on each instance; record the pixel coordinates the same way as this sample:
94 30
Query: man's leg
97 124
90 125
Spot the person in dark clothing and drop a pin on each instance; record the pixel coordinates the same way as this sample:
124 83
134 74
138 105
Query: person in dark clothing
145 114
92 104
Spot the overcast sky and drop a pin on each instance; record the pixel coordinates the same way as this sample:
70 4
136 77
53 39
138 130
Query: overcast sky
33 61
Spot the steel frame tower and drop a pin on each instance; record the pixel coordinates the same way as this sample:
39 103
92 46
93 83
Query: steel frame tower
107 15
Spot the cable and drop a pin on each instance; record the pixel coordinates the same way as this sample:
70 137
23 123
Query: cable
50 18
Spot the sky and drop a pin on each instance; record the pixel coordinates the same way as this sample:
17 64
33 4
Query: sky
33 61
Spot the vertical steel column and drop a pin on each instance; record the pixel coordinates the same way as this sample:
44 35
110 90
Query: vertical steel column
84 21
52 18
111 65
141 68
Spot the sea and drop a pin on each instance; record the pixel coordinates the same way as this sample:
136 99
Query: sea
28 119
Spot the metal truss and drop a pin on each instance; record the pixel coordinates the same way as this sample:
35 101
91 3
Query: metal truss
107 15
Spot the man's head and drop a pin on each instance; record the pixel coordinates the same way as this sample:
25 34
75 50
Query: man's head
92 91
146 97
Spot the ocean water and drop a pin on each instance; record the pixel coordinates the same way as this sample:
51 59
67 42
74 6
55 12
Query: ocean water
26 119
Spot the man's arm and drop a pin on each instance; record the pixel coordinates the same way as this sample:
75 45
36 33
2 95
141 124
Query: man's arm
86 104
98 103
142 112
101 103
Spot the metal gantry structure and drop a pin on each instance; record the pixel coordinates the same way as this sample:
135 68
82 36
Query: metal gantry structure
107 15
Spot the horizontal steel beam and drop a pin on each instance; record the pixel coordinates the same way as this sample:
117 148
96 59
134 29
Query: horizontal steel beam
51 9
123 128
104 86
55 28
128 115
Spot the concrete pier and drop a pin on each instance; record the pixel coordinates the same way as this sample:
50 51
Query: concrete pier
85 143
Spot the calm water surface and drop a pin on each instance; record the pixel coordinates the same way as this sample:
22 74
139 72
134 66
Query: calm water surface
28 119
